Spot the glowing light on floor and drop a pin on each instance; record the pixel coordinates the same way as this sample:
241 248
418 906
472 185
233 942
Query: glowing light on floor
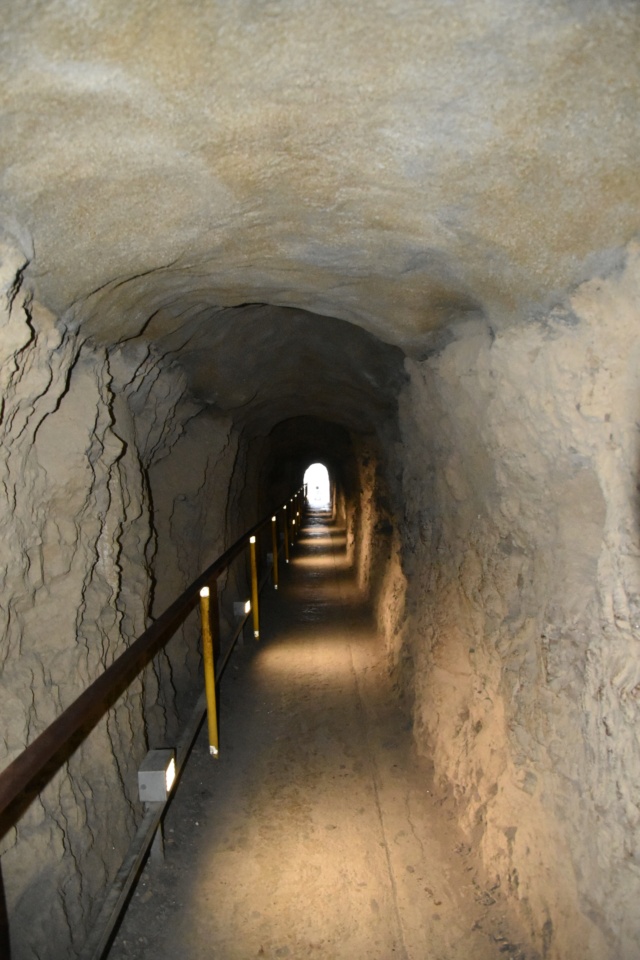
320 656
323 563
318 486
336 541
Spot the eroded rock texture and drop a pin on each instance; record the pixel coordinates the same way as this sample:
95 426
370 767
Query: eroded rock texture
238 235
86 432
397 169
189 490
74 522
521 555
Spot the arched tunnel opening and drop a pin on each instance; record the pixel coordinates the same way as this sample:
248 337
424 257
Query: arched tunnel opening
317 484
256 237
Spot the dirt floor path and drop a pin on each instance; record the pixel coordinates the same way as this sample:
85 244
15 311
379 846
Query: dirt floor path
316 833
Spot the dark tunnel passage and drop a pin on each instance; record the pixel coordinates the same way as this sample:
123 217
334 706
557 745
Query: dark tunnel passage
237 239
149 455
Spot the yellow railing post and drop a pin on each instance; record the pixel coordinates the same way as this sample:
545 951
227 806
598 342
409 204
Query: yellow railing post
286 534
274 547
209 668
254 588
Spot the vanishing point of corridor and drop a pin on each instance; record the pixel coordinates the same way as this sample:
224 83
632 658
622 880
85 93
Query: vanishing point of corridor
312 836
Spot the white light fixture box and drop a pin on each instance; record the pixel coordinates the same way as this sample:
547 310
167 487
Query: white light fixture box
156 775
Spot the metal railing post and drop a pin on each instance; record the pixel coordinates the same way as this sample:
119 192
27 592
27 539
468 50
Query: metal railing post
209 667
286 533
274 547
254 588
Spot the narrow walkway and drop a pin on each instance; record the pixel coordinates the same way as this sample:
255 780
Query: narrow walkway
314 834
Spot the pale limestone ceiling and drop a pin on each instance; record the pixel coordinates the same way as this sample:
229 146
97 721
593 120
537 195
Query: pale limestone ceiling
396 163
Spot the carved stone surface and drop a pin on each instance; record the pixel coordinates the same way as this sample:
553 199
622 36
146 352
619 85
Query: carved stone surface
401 234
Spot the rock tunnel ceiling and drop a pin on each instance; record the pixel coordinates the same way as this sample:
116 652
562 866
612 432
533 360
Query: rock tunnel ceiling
263 364
437 162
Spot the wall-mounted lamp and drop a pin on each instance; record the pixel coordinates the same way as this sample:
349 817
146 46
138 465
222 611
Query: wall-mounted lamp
156 775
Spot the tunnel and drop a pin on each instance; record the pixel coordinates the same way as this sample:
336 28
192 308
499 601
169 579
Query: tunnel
399 239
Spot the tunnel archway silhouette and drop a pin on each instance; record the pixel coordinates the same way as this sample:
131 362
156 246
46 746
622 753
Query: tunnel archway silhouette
318 483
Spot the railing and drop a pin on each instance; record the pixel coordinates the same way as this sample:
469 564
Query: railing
34 767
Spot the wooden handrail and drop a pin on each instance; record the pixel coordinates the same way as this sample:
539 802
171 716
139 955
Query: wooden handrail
49 750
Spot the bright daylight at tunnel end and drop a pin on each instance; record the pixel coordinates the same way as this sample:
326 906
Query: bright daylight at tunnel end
400 240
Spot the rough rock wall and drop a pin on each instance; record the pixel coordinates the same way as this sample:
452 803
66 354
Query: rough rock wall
73 517
79 425
374 544
248 500
189 494
521 454
368 518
